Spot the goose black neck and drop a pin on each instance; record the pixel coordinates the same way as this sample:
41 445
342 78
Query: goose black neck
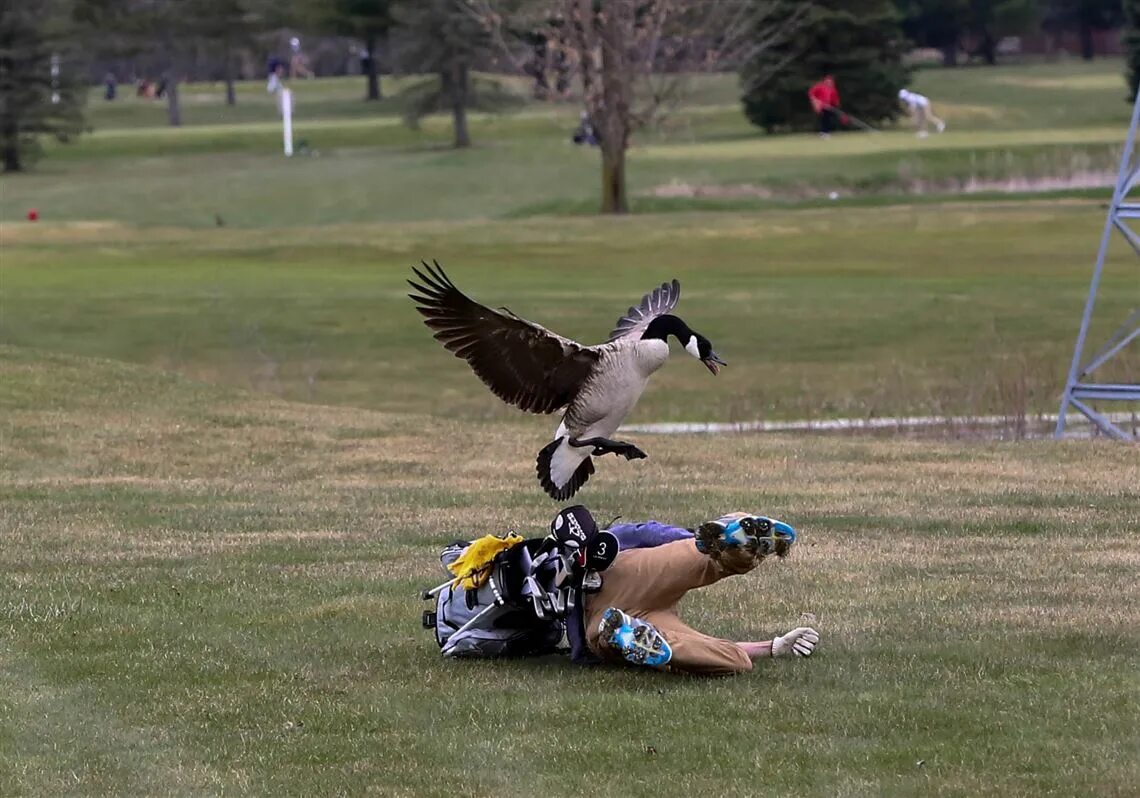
664 326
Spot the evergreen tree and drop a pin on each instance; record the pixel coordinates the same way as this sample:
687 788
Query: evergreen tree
859 42
1131 39
990 20
936 23
166 32
444 38
1086 17
370 21
40 93
944 23
224 26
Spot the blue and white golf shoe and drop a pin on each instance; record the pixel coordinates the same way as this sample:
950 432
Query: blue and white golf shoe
637 641
755 533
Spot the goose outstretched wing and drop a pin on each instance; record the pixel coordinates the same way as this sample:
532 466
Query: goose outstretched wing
523 363
656 303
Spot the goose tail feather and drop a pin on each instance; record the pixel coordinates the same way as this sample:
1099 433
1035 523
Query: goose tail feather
562 469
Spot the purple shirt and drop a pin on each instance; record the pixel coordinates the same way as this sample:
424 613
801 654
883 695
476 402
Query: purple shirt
648 534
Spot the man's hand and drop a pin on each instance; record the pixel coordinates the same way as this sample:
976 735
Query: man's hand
800 642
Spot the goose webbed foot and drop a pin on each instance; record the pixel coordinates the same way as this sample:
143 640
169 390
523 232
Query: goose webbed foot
607 446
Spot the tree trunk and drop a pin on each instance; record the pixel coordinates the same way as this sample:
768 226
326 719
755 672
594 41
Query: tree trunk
613 180
170 78
173 109
950 55
371 68
10 135
617 74
228 66
456 88
1088 46
12 154
988 49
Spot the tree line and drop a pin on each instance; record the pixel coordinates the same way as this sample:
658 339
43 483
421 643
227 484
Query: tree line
624 61
975 27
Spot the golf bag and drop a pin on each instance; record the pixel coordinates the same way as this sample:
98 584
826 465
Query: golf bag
491 621
521 608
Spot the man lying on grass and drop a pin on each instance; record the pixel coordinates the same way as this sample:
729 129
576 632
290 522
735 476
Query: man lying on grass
516 597
634 615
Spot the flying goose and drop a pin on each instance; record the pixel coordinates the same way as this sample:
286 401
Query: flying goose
536 370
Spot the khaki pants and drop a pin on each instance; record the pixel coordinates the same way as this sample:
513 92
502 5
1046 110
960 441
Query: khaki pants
648 584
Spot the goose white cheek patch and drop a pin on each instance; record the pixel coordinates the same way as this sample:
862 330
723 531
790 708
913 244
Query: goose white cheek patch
692 347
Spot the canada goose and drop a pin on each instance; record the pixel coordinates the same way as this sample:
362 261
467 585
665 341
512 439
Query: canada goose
528 366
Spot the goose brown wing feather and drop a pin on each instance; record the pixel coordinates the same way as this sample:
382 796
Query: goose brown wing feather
523 363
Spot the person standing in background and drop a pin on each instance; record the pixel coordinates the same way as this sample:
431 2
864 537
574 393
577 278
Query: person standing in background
824 97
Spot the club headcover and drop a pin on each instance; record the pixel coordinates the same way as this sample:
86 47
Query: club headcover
602 551
574 524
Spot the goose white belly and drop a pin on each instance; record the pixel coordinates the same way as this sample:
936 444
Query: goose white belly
600 407
617 383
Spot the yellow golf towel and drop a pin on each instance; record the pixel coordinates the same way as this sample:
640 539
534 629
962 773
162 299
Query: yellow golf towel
472 568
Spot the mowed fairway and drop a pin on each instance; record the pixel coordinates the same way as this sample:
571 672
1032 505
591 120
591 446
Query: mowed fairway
1062 122
230 454
951 309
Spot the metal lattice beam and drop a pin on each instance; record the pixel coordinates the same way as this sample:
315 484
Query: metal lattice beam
1077 391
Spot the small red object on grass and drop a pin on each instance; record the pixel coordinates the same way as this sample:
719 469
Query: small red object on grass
33 215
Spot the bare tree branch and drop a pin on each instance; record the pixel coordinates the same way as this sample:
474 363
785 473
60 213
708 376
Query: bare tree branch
632 57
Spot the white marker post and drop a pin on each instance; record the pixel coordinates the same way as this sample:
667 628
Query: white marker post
287 119
55 78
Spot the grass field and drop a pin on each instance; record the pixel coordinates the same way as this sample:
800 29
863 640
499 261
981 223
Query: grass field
229 455
206 591
929 309
1060 121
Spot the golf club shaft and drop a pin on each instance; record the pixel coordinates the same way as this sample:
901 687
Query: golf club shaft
853 118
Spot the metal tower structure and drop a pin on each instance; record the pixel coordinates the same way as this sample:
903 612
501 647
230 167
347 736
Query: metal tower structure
1080 389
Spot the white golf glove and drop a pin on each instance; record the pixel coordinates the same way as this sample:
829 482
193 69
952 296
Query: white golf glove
800 641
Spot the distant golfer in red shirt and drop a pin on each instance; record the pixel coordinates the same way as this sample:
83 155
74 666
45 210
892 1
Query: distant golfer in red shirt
825 102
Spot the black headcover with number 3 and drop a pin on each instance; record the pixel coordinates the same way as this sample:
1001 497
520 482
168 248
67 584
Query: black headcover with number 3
602 551
574 528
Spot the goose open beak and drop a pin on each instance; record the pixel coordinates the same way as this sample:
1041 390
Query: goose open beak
713 363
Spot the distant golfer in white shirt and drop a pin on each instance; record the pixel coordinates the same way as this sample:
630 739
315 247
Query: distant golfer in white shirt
918 106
